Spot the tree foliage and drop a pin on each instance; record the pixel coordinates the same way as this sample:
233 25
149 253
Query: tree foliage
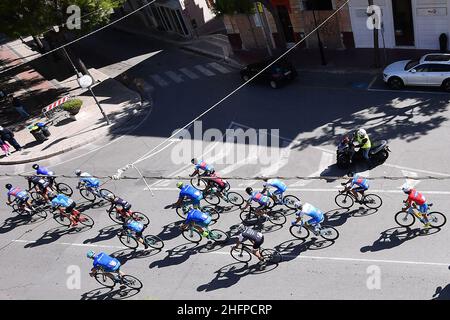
230 7
33 17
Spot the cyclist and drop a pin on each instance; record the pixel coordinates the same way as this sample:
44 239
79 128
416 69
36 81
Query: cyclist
43 171
416 200
189 193
87 180
259 198
255 237
356 184
277 184
199 220
62 201
136 228
217 183
315 214
201 165
121 206
40 185
20 196
106 263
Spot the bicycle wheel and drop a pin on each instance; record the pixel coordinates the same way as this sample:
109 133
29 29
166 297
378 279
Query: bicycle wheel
115 216
329 233
128 241
248 217
372 201
218 236
154 241
404 219
182 212
87 194
227 186
215 215
436 219
271 256
192 235
132 282
104 280
40 213
299 231
212 199
199 183
235 198
64 189
277 218
344 200
139 216
86 220
37 197
104 193
290 201
62 219
241 254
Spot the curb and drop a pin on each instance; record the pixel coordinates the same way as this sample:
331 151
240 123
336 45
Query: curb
231 62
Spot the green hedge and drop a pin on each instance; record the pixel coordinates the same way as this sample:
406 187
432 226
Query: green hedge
72 106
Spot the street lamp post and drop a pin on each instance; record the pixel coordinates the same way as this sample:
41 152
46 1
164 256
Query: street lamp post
86 82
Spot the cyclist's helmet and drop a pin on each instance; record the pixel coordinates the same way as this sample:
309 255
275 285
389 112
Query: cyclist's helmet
180 185
350 174
78 172
110 196
298 205
406 189
249 190
35 166
212 171
194 161
8 186
51 195
361 132
90 254
241 228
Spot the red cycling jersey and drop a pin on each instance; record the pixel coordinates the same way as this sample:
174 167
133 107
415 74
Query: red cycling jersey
417 197
218 180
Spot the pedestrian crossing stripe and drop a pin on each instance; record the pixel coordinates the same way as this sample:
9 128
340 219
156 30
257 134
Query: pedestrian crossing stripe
175 77
159 80
189 73
205 71
219 67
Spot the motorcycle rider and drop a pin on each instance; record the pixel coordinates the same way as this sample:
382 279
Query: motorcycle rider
363 141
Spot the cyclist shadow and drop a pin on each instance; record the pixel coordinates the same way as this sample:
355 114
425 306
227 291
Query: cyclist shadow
106 293
226 277
87 205
18 221
338 217
176 256
104 234
396 236
170 231
292 249
442 293
124 255
53 235
222 209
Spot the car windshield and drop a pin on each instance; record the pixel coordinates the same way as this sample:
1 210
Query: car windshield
411 64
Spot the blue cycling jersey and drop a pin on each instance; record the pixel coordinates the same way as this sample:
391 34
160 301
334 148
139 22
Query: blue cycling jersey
204 166
106 262
191 193
195 215
91 182
260 198
360 181
44 171
135 226
311 211
276 183
61 200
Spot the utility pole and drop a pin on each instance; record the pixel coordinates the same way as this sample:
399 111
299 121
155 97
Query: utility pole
265 26
322 54
376 49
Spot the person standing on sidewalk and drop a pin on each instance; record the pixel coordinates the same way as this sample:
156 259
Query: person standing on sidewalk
20 108
5 147
8 136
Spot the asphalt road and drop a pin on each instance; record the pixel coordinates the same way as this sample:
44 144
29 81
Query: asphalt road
373 257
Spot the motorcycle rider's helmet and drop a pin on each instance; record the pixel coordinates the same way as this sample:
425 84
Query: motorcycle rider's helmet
249 190
361 133
194 160
78 172
8 186
35 166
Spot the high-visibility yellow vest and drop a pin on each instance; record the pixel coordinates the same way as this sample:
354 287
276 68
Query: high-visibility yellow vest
367 145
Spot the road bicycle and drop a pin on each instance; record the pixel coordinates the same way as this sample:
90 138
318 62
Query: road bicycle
408 217
187 205
25 211
213 197
109 280
129 239
245 254
61 187
345 200
92 193
275 217
302 231
193 235
63 218
288 200
201 182
118 216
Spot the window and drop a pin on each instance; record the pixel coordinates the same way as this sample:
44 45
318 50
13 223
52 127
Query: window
424 68
318 4
437 57
411 64
439 68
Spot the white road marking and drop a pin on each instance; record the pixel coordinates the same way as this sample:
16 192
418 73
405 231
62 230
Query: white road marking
189 73
418 170
159 80
219 67
410 182
326 160
205 71
372 82
175 77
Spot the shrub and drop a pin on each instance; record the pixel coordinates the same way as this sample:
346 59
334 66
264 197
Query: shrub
72 106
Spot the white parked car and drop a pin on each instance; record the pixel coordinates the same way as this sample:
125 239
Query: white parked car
432 70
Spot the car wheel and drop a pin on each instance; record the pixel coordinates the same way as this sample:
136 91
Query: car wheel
446 85
274 84
395 83
245 78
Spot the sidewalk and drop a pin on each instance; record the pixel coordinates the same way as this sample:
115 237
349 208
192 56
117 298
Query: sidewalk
119 103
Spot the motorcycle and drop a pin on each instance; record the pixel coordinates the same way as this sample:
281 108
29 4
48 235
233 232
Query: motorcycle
377 154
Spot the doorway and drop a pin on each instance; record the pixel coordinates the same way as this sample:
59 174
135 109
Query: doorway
403 22
285 20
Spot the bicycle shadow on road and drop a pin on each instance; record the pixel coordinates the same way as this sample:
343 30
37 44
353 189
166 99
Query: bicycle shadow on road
87 205
396 236
226 277
177 255
104 234
55 234
124 255
337 217
292 249
105 293
170 231
17 221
